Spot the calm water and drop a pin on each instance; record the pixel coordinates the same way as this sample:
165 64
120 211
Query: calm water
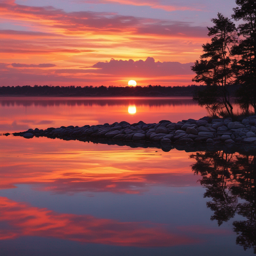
73 198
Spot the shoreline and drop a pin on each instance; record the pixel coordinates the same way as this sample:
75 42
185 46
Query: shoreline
205 133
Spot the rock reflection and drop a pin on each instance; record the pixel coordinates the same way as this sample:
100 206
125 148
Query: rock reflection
230 183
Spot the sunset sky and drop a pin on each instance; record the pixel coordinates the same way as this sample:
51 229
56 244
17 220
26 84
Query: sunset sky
103 42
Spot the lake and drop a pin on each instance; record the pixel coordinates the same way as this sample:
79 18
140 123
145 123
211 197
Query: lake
73 198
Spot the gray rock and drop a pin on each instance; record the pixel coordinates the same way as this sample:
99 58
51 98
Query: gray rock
120 136
179 131
169 136
178 125
250 134
245 121
206 134
171 126
161 129
192 136
209 141
166 141
250 140
185 140
216 125
28 135
225 137
192 130
226 121
112 133
128 130
222 128
201 122
229 141
235 125
138 136
253 129
202 129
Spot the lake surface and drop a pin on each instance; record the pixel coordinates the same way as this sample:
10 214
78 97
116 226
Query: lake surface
74 198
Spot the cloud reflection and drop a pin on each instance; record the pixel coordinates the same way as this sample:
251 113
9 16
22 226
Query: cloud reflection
25 220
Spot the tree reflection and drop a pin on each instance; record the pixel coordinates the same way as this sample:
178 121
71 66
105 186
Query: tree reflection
230 183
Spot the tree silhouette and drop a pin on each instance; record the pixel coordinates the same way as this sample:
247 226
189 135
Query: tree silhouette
245 66
230 183
214 68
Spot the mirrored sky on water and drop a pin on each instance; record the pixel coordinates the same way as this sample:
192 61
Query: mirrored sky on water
72 197
18 114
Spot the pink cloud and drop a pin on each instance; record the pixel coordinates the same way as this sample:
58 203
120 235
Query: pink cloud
25 220
45 65
149 67
155 4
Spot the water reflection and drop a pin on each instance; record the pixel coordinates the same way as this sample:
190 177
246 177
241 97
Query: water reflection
132 110
230 181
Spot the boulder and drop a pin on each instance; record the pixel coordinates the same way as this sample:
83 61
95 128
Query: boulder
206 134
139 136
250 134
192 130
112 134
161 129
202 129
235 125
250 140
229 141
222 128
201 122
225 137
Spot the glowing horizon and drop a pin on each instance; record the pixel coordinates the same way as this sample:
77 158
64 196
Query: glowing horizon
102 43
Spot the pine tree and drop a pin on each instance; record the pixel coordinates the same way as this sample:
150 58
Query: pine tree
245 66
214 68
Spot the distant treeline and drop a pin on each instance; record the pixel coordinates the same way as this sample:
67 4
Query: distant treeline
103 91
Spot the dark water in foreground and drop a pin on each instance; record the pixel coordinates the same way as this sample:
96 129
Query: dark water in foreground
73 198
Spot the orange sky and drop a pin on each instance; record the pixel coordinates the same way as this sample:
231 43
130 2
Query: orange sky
101 42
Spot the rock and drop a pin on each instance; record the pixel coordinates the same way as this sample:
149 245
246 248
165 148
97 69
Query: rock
161 129
202 129
201 122
245 121
120 136
209 141
226 121
235 125
222 128
127 131
192 130
139 136
124 124
229 141
250 134
192 136
185 140
179 131
250 140
112 133
28 135
225 137
171 126
253 129
166 141
206 134
178 125
216 125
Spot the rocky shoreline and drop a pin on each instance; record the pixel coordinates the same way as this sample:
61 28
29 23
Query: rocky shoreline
214 133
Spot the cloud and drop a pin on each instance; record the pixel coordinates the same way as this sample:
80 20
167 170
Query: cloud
85 21
46 65
155 4
141 68
25 220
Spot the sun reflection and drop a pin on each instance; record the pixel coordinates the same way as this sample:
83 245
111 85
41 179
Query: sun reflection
132 110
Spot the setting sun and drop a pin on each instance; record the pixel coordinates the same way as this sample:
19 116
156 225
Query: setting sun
132 83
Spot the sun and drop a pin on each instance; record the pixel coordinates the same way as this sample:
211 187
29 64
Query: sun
132 110
132 83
